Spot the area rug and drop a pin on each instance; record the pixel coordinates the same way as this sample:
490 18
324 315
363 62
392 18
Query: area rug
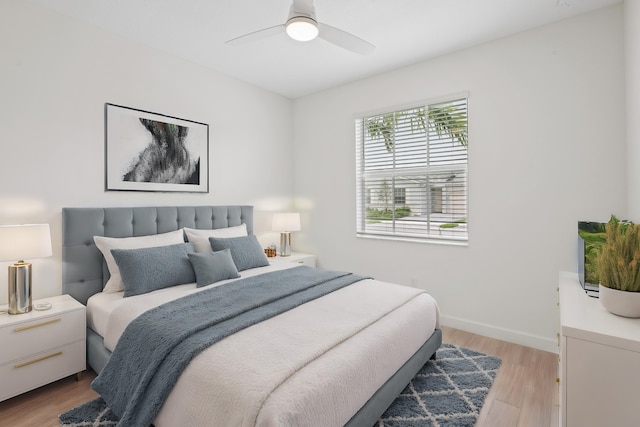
447 392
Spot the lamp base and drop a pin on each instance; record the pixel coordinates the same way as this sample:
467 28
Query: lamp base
20 288
285 243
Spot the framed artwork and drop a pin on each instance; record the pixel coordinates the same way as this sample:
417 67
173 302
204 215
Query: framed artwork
148 151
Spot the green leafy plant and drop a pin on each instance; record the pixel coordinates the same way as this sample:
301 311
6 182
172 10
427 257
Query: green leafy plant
380 214
445 120
449 225
618 260
594 235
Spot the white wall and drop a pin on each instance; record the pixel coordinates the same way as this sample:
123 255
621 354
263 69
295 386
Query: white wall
632 61
57 73
547 148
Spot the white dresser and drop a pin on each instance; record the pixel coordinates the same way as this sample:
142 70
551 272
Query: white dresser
599 361
39 347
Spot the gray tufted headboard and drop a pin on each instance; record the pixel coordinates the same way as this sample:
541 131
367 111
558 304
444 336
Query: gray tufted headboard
84 271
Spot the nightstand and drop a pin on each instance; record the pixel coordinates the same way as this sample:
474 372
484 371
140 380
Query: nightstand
40 347
296 257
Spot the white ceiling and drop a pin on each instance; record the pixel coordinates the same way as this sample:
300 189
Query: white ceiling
403 31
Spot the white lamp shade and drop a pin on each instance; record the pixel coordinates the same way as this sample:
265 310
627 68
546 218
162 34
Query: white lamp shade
20 242
286 222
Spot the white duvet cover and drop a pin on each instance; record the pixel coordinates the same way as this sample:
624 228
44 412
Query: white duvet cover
315 365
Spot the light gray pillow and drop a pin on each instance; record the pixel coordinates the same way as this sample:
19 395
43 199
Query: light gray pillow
245 251
148 269
200 238
106 244
211 267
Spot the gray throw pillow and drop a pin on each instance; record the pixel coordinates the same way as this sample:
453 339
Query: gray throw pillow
245 251
148 269
211 267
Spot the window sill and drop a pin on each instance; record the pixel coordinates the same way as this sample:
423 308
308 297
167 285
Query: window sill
414 239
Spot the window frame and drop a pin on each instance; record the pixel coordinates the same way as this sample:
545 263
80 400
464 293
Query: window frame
399 196
364 193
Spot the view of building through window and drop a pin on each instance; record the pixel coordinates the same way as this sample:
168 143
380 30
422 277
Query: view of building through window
411 172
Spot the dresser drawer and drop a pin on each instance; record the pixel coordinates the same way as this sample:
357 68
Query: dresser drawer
40 334
42 368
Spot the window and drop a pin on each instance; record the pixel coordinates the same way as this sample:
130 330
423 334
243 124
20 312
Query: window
411 173
399 196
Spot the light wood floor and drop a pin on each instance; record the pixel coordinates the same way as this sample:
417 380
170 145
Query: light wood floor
525 392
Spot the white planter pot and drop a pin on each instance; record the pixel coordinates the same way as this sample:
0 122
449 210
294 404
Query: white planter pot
622 303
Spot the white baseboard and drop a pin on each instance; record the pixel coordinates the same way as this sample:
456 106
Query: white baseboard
491 331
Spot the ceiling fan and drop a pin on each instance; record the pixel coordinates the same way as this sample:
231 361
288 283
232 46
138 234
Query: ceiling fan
301 25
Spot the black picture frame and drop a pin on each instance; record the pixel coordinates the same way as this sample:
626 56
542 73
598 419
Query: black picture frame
147 151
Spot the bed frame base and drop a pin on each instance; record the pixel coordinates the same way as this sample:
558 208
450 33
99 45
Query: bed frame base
382 399
97 356
97 353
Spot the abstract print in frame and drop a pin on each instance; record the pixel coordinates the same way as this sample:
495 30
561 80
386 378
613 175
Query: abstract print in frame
148 151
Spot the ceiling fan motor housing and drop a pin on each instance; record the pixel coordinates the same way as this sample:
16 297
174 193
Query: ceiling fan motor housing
303 9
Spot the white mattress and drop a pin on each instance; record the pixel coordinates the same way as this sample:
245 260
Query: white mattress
103 308
314 365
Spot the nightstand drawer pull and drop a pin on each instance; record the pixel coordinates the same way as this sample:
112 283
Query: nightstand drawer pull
48 322
39 359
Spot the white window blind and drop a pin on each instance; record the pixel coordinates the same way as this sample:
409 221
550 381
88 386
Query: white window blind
411 172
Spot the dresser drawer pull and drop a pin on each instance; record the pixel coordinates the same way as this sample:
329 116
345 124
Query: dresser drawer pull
39 359
48 322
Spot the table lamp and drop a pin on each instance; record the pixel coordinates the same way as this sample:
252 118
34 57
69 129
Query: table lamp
285 223
20 242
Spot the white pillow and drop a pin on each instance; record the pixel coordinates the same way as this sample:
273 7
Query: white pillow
200 238
105 244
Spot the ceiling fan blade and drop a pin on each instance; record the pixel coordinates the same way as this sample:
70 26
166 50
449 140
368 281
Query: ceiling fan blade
345 40
256 35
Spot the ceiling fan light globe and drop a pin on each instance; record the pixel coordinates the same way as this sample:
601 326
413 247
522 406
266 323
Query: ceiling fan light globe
302 29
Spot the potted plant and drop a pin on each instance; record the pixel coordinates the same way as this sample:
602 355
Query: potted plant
618 265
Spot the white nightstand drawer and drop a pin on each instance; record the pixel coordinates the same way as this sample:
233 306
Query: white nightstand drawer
309 260
41 333
42 368
295 258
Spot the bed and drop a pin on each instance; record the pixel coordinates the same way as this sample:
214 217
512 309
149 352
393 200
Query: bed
373 360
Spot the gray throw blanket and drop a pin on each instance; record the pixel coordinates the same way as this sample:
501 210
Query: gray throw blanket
159 344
